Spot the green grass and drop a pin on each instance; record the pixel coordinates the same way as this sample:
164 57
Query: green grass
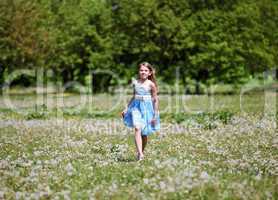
202 152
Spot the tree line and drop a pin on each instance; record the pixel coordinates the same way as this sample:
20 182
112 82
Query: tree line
209 41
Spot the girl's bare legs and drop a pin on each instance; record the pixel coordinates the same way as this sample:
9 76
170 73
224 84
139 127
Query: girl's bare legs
144 142
138 142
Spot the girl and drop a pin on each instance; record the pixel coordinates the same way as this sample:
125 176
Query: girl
142 111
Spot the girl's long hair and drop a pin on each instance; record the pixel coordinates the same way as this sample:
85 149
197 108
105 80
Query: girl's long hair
152 70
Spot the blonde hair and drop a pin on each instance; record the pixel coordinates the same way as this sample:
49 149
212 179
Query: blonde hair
152 70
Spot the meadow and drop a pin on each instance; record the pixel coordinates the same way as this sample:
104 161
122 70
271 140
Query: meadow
76 147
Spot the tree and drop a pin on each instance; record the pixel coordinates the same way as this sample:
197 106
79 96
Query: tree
24 42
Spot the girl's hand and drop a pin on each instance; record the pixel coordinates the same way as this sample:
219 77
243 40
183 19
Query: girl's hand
123 113
153 121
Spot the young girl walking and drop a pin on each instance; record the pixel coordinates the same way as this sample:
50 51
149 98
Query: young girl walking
142 112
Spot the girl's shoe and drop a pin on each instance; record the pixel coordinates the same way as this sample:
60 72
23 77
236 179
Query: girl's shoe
139 158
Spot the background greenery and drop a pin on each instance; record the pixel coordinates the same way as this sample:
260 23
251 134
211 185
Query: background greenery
208 42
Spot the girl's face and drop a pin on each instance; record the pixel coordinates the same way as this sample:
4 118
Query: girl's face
144 72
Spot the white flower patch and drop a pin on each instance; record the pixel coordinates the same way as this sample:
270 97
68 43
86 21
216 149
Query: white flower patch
204 176
169 164
4 164
117 151
275 142
113 187
2 194
69 169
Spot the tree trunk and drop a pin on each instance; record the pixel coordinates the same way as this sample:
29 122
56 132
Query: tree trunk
197 87
2 78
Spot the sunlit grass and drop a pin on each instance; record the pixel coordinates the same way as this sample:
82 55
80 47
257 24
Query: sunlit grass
202 152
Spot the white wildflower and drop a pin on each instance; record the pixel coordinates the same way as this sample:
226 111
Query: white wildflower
2 194
146 181
4 164
69 168
204 175
162 185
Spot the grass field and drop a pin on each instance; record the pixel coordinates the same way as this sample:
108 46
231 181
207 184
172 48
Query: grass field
74 147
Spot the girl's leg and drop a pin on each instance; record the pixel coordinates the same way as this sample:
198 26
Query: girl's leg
138 141
144 142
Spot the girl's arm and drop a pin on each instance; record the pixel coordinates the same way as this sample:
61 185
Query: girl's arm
155 99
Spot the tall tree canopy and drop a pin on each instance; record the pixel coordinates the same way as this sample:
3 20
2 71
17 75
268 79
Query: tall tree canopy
210 41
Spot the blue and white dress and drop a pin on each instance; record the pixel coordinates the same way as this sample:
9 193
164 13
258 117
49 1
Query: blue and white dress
140 111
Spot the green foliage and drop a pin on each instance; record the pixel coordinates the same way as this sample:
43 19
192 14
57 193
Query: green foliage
36 115
223 116
210 41
40 113
207 120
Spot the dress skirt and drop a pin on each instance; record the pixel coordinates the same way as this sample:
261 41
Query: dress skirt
139 115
